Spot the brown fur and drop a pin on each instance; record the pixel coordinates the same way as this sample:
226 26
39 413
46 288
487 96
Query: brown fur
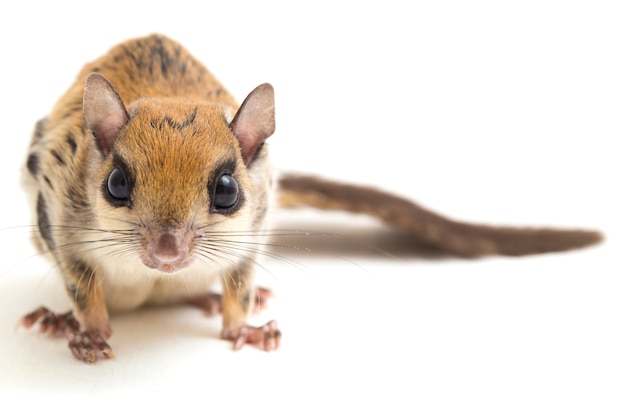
156 114
464 239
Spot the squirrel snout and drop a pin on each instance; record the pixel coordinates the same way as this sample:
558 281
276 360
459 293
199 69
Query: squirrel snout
167 252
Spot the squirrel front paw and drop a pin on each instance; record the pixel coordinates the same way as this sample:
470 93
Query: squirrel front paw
86 345
89 345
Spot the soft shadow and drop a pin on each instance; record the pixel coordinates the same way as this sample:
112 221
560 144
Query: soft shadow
372 240
175 321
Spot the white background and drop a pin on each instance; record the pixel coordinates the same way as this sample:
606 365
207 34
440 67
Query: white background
489 111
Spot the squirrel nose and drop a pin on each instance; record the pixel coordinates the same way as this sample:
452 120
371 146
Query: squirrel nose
168 251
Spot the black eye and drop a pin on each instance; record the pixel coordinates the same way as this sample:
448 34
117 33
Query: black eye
226 193
117 185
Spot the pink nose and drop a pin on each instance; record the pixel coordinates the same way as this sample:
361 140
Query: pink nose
168 250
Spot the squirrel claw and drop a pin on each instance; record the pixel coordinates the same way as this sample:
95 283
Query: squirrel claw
85 346
51 323
266 337
88 345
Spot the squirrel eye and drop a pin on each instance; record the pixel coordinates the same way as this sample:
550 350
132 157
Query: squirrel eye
117 185
226 193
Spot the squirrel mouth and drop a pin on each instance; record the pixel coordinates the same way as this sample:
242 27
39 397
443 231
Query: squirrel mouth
167 268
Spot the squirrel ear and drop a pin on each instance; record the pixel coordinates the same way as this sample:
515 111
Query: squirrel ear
254 121
104 113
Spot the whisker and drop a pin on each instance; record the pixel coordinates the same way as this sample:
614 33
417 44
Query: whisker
268 233
125 243
216 252
296 232
248 247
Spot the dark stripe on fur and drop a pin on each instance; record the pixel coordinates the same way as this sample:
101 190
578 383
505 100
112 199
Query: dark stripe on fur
33 164
43 222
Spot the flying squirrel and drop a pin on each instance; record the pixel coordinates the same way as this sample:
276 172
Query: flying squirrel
149 184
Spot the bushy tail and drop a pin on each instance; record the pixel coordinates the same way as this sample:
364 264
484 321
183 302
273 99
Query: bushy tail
463 239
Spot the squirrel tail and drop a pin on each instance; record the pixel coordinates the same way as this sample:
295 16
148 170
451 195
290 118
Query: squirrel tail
463 239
